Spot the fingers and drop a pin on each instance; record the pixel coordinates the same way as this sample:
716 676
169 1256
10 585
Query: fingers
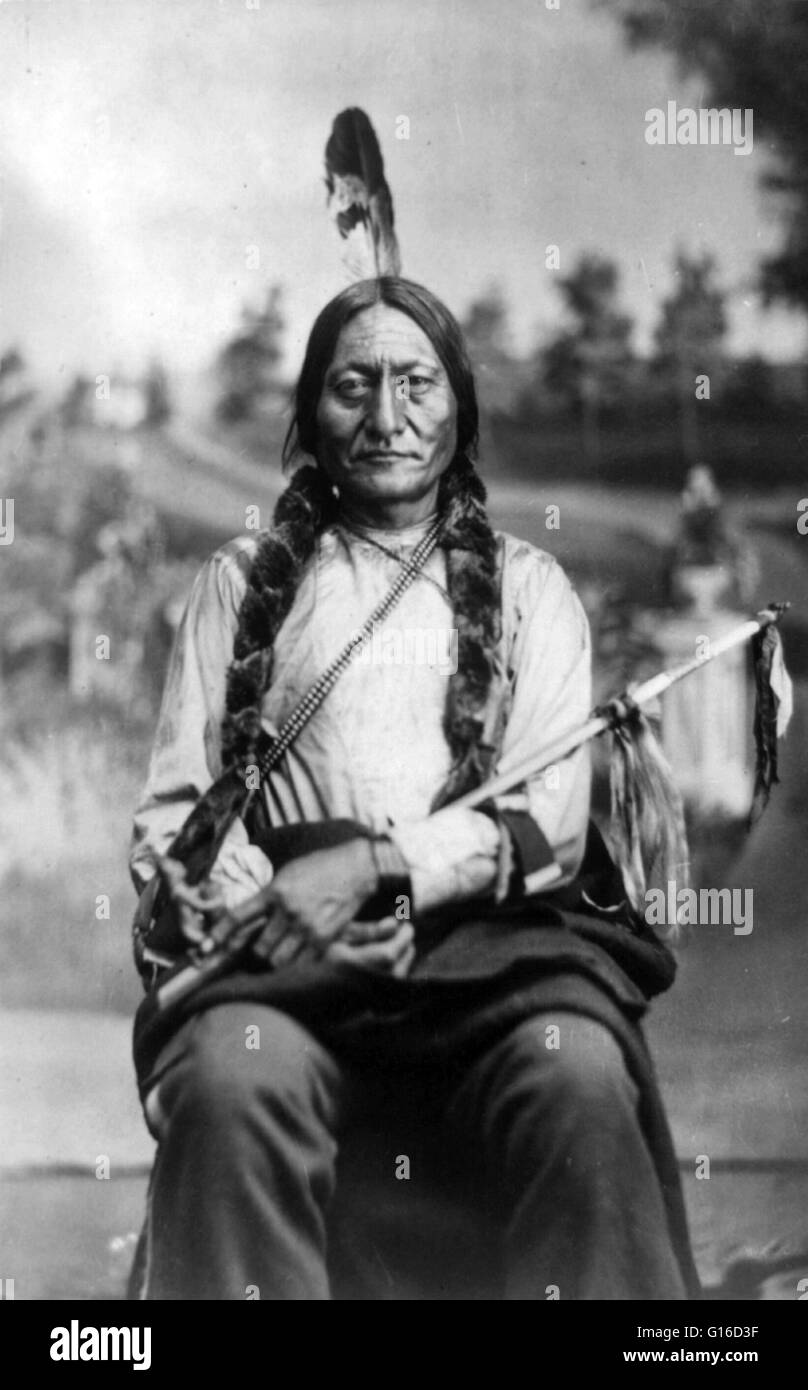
281 943
386 945
271 935
391 955
402 946
361 933
403 965
288 949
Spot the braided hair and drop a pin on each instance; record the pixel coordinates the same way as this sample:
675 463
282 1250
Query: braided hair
308 507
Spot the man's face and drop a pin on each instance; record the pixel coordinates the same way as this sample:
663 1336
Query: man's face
386 419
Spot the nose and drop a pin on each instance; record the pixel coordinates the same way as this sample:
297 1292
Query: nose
383 417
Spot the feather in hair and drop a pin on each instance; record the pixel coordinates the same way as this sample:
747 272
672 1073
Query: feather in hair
359 199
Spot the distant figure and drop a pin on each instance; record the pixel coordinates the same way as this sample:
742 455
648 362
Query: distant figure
703 532
713 574
711 565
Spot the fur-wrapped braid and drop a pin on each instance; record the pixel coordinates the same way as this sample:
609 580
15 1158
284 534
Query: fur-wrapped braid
471 566
302 512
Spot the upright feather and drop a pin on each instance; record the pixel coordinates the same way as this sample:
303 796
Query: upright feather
359 199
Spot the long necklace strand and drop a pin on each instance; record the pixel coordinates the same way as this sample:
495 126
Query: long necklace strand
311 702
398 557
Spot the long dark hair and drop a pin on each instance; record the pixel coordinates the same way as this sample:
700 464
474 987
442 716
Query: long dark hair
425 309
303 511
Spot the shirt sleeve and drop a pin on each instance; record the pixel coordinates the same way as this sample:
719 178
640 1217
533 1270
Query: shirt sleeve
186 753
459 853
552 696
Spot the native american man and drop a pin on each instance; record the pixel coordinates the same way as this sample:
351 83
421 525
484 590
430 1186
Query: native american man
505 1018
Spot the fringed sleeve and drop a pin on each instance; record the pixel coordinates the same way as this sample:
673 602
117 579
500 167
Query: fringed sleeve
550 660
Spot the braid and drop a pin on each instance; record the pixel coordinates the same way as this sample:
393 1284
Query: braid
302 512
471 564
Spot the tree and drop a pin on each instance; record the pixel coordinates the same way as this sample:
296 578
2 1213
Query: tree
75 405
248 366
14 388
158 399
586 364
12 363
749 392
688 339
752 54
485 328
486 324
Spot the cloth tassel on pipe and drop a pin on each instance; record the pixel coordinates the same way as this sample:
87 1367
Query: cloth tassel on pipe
647 831
639 695
648 828
773 708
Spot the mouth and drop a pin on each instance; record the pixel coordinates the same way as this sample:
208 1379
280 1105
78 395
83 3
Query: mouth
380 456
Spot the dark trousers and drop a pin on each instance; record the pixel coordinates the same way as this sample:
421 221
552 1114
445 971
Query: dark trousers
249 1107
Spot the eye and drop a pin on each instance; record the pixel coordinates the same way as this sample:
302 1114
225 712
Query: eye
351 388
420 384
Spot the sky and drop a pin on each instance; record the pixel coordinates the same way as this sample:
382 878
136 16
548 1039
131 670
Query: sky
147 145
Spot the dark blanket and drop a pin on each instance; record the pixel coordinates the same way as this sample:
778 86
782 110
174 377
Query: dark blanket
474 979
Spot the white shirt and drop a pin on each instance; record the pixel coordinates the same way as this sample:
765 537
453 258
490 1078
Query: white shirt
375 751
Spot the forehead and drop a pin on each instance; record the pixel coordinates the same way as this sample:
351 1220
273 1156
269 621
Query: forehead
379 335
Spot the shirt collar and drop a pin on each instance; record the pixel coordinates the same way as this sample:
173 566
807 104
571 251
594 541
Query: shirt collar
406 536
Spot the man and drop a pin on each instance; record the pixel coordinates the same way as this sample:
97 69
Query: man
508 1018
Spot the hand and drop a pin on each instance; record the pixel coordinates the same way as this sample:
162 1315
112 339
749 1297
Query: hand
311 900
391 950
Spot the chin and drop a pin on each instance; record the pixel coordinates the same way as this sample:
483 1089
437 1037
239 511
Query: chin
397 484
395 489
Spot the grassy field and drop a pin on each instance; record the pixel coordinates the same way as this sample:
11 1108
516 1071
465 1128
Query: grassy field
66 799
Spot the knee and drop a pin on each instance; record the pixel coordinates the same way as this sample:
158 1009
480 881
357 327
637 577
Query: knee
571 1061
239 1060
